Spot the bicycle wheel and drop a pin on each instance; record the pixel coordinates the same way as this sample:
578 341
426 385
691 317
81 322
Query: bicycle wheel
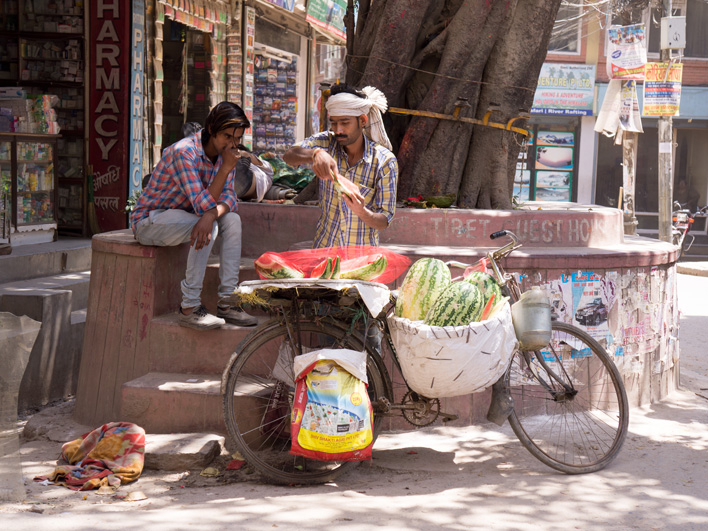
571 410
258 389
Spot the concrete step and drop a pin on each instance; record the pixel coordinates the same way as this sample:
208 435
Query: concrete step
45 259
52 370
697 251
76 282
178 349
162 402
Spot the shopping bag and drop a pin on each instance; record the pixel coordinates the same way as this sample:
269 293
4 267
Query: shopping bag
332 417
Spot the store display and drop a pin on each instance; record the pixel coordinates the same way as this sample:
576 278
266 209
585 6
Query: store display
33 161
275 103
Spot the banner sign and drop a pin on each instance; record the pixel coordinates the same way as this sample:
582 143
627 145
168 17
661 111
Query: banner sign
137 97
662 89
627 52
328 15
285 4
565 90
109 108
629 117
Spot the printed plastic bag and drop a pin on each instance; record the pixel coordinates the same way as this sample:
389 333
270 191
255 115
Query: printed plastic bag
332 417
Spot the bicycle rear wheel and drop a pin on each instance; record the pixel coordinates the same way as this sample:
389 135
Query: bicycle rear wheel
570 410
258 389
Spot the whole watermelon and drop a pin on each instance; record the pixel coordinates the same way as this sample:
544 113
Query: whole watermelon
487 284
425 280
459 304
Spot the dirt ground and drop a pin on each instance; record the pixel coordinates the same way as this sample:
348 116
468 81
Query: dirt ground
477 477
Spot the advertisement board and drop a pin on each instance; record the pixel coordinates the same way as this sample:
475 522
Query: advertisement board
565 90
109 110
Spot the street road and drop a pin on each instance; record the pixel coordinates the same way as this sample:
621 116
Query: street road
478 477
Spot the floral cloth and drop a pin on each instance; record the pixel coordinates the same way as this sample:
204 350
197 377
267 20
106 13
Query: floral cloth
111 455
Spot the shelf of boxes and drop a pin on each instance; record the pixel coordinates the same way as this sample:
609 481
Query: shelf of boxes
53 16
35 182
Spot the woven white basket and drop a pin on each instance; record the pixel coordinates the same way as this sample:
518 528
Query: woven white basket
443 361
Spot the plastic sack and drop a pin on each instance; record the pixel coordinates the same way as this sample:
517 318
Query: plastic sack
332 418
302 263
481 266
283 174
443 361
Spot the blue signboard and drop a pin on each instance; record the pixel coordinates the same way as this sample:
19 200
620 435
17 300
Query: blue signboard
137 96
565 90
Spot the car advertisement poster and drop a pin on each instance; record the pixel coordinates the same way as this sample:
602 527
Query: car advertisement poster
627 52
584 299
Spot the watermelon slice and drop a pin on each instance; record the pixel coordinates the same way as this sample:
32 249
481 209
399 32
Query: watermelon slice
363 267
271 265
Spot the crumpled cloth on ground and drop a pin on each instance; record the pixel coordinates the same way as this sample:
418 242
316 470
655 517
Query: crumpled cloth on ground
113 454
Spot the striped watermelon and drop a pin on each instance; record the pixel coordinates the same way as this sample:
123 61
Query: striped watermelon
271 265
487 284
459 304
425 280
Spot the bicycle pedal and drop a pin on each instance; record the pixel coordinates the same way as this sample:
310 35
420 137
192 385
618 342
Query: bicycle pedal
448 417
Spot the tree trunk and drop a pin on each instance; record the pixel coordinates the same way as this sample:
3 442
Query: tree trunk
430 55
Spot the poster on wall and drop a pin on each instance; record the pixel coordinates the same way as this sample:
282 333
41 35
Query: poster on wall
627 52
522 185
554 158
585 299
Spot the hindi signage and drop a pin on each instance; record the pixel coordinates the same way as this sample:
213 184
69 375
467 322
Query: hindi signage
109 108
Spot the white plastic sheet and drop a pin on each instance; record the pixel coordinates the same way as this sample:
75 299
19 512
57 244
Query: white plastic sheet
443 361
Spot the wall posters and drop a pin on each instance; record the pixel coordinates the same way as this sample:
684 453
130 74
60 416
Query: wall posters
565 90
249 44
109 108
627 52
328 15
585 299
554 165
662 89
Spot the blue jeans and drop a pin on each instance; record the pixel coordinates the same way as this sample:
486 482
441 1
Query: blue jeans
165 228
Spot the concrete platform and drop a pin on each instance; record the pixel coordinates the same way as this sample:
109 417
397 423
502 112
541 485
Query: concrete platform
699 269
573 253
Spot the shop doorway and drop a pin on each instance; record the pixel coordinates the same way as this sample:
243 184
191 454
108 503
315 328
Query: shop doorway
186 87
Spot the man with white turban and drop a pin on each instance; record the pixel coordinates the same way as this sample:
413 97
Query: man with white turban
357 153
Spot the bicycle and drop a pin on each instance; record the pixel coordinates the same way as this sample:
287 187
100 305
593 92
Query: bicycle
566 403
682 219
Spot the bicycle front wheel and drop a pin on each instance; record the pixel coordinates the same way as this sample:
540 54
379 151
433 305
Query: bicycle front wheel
570 405
258 389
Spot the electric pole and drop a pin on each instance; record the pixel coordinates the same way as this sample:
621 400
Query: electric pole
666 170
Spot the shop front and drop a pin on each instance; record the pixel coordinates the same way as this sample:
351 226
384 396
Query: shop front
690 162
549 164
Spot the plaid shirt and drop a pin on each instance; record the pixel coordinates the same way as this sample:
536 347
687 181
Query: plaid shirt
376 174
180 181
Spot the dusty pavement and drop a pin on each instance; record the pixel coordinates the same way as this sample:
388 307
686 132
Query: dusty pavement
479 477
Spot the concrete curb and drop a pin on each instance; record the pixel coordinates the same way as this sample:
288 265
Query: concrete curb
699 269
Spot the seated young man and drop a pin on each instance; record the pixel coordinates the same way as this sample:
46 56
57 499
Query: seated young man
190 198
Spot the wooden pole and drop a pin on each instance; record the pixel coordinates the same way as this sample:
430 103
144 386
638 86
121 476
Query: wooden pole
629 178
